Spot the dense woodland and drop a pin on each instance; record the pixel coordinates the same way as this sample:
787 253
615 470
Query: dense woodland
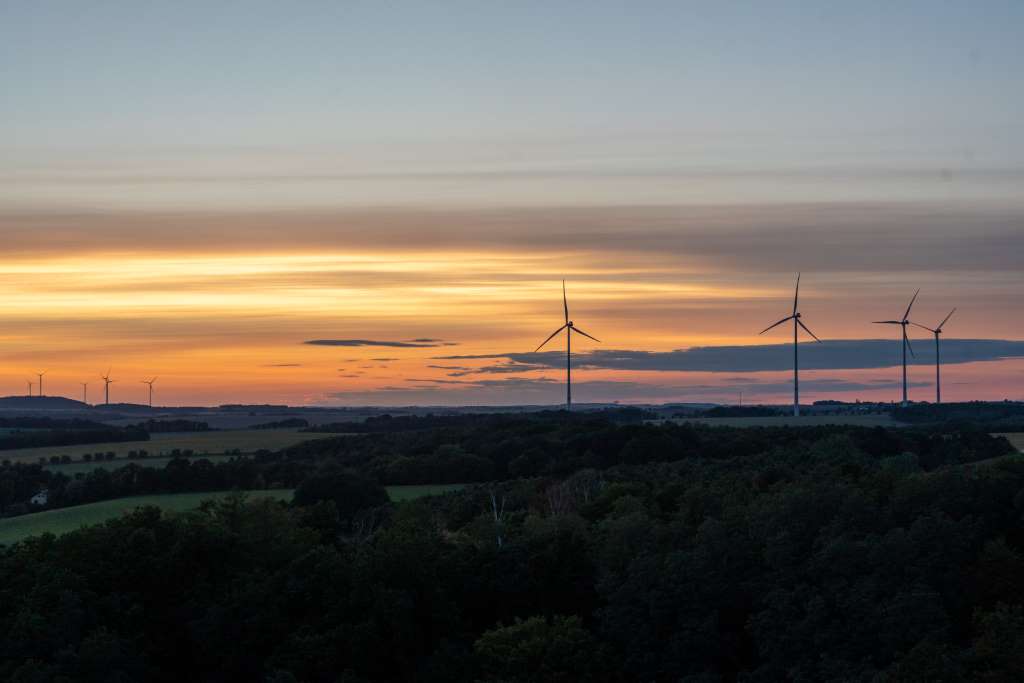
598 552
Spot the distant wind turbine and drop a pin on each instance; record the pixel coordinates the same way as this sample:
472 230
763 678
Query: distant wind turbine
150 383
85 392
30 384
903 322
40 376
797 324
106 387
569 328
937 331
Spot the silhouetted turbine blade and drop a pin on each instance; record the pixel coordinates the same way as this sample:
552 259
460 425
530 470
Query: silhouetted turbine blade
565 302
911 304
946 319
796 295
776 324
576 329
550 338
923 327
887 322
806 329
910 346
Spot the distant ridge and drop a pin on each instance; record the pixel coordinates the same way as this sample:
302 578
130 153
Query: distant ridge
40 403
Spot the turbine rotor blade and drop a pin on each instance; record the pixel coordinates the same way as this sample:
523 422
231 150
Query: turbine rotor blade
807 329
565 303
911 304
886 322
550 338
776 324
924 328
944 320
796 295
910 346
576 329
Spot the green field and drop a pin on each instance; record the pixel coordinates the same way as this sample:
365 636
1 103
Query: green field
1016 438
202 443
63 520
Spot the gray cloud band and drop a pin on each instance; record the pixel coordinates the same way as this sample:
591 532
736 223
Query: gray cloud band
829 355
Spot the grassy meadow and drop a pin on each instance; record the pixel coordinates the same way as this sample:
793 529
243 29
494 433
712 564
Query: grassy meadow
1016 438
62 520
201 443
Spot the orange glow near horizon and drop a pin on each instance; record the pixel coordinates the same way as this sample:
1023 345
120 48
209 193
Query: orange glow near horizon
226 322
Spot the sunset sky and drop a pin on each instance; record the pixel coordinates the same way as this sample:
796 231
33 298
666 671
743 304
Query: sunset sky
196 193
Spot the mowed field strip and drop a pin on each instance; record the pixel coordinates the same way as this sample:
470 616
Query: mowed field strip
1015 438
62 520
245 440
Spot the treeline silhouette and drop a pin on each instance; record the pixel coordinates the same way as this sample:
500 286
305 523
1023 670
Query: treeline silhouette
34 432
489 448
1006 415
692 554
403 423
180 425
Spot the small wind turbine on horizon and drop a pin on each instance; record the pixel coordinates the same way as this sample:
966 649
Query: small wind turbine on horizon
40 376
106 387
569 328
150 383
903 322
85 392
797 324
937 331
30 384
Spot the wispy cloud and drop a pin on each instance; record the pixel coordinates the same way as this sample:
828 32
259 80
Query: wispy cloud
414 344
509 368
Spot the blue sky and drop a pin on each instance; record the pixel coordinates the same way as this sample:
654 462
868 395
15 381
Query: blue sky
325 88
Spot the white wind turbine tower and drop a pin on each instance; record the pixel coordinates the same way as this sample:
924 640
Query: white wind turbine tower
106 387
569 328
150 383
797 324
937 331
903 322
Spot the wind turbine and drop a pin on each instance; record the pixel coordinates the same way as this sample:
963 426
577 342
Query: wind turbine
797 324
150 383
40 376
85 392
569 328
937 331
30 384
903 322
106 387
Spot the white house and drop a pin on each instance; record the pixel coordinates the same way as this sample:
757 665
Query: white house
41 498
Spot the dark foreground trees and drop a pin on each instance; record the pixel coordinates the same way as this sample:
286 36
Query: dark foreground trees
815 560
